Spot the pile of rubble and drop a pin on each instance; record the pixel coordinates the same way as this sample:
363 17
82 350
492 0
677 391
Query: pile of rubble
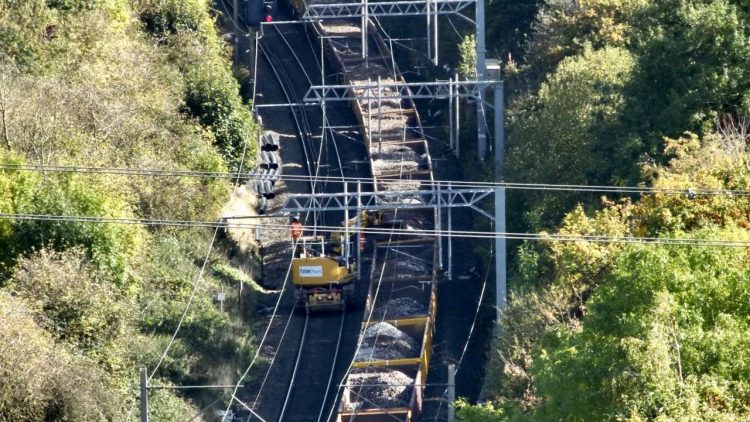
399 185
403 267
383 341
399 308
383 389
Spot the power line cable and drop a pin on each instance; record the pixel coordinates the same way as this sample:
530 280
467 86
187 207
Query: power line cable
196 284
469 334
314 186
273 359
689 191
361 338
265 333
550 237
375 299
198 279
314 180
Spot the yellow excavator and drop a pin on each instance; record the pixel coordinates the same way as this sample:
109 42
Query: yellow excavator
323 271
323 277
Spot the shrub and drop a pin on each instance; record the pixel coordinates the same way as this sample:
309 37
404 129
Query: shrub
78 302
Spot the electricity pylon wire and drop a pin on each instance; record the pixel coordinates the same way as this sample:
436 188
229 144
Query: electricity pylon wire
255 175
547 237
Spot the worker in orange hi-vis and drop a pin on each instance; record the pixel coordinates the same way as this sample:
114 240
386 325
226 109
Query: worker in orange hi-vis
296 228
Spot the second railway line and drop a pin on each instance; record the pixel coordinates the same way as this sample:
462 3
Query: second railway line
310 354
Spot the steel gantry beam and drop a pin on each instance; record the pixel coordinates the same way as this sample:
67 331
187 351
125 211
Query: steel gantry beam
396 8
397 90
444 197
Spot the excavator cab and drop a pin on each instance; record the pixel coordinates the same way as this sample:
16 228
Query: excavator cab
323 279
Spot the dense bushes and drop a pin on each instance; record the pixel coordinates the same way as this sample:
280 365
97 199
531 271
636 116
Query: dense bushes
42 380
80 303
624 93
567 134
645 70
165 17
605 331
109 246
663 338
114 83
211 92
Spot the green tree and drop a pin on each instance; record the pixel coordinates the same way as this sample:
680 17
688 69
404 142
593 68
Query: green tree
693 61
566 134
108 245
467 49
715 161
656 342
163 18
112 83
211 92
565 28
481 413
16 190
550 287
508 25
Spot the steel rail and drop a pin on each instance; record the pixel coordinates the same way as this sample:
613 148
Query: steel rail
325 118
286 85
296 367
307 144
307 139
333 366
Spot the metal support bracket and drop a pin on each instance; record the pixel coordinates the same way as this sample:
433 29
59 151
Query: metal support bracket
406 199
397 90
396 8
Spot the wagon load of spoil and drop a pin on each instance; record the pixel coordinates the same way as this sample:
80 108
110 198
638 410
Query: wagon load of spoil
398 308
399 185
394 152
404 267
383 341
341 28
385 389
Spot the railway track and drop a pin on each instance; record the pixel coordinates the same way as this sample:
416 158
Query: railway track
317 362
386 377
299 114
309 351
307 396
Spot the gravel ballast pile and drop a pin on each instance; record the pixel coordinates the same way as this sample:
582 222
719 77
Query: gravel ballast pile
385 389
383 341
400 185
340 28
389 167
399 308
358 75
402 267
394 153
